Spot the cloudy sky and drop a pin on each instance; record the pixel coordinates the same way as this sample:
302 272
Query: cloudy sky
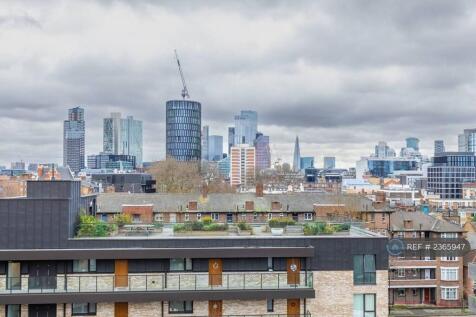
340 74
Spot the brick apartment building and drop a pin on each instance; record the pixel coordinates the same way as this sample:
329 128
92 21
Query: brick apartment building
45 270
425 280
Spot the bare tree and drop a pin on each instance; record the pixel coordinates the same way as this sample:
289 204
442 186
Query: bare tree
174 176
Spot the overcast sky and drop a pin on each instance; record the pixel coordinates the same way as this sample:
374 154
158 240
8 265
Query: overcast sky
340 74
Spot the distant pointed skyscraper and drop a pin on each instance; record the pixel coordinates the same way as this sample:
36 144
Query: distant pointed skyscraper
297 156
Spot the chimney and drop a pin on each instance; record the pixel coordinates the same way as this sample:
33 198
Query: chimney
40 171
259 190
408 224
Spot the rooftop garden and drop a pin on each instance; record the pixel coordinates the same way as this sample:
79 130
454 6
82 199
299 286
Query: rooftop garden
90 226
316 228
206 224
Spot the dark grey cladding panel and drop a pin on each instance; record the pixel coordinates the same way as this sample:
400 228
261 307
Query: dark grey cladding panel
155 296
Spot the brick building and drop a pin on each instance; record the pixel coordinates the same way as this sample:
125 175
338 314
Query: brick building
45 270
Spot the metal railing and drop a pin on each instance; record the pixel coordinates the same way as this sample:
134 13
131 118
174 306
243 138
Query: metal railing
86 283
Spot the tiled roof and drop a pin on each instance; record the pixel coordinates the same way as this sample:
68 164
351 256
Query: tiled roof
421 222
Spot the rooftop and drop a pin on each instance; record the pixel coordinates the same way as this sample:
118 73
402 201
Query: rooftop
421 222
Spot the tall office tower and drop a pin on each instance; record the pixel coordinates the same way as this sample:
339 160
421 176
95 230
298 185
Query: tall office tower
413 143
242 165
74 140
383 150
329 162
183 130
123 136
467 141
306 162
215 147
263 152
246 127
448 173
205 136
297 156
439 147
18 165
231 138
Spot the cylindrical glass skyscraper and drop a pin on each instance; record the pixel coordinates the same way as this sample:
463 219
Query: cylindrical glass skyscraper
183 130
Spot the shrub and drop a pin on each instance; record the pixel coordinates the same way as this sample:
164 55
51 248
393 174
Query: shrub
180 227
207 220
215 227
243 226
122 219
315 228
196 226
281 222
158 225
89 226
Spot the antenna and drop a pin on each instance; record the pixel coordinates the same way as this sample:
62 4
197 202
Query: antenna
184 89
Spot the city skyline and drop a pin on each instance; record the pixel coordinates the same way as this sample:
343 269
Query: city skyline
325 94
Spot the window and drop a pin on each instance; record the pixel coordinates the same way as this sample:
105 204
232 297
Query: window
243 215
449 258
414 292
364 269
199 216
181 264
401 292
270 216
270 263
159 217
401 272
215 216
84 266
449 293
281 214
13 311
187 217
270 305
400 235
136 218
13 275
364 305
83 309
308 216
255 216
449 235
449 273
180 307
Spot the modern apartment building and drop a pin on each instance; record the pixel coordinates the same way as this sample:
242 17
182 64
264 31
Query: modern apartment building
424 280
123 136
46 270
448 173
74 140
183 130
242 165
204 140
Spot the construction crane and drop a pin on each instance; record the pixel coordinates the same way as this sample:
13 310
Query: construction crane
184 89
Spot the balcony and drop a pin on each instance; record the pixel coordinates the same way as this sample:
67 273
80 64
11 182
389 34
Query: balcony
160 282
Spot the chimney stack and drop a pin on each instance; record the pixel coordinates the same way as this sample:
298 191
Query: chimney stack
204 190
259 190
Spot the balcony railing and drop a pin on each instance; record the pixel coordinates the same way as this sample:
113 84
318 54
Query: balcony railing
82 283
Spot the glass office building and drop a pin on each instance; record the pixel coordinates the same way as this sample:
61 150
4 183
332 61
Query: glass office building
263 152
307 162
74 140
448 173
215 147
183 130
246 127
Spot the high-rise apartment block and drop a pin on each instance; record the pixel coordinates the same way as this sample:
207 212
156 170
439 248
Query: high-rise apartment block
205 136
329 162
263 152
74 140
242 165
123 136
183 130
246 127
